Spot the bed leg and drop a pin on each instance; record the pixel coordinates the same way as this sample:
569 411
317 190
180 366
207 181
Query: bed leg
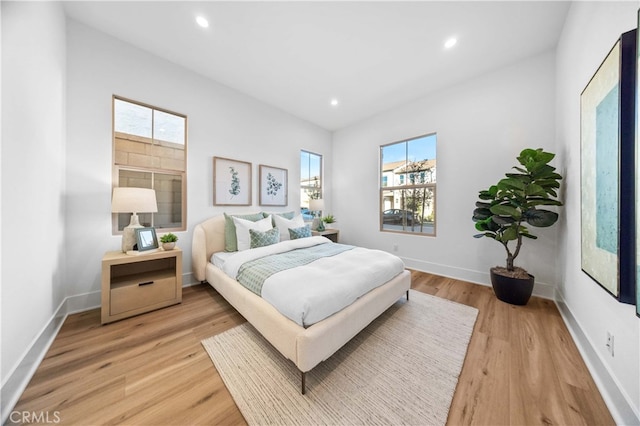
407 294
303 383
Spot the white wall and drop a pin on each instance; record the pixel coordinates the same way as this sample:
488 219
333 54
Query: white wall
482 126
590 31
221 122
33 161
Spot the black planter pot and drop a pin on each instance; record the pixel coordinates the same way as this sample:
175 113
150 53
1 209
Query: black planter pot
515 291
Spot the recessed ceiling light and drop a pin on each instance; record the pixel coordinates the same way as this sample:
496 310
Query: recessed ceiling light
202 21
334 102
450 43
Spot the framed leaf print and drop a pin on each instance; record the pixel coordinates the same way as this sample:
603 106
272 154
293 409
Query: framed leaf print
231 182
273 186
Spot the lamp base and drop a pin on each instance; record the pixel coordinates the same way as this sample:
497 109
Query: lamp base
129 234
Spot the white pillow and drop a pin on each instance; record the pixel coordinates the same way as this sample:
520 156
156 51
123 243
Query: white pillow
283 224
242 230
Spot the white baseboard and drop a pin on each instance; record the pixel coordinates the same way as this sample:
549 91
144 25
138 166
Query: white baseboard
618 403
17 381
544 290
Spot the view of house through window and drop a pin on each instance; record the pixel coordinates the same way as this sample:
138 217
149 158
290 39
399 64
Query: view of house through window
149 151
310 181
408 186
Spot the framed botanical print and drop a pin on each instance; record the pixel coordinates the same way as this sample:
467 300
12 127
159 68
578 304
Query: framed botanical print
273 186
231 182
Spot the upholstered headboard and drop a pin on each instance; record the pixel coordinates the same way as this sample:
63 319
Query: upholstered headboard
208 238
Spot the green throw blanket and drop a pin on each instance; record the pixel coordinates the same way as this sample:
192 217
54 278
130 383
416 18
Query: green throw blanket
254 273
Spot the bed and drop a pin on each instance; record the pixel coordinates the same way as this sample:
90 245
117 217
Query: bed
305 346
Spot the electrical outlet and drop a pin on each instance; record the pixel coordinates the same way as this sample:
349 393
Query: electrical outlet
610 343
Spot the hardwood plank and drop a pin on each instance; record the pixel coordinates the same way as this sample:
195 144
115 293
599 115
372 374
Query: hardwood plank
522 366
483 382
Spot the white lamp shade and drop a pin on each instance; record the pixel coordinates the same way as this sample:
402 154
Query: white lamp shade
316 205
134 200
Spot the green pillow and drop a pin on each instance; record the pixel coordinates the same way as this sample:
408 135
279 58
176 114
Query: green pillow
261 239
230 239
287 215
303 232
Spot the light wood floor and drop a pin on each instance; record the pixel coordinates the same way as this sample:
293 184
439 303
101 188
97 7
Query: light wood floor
522 367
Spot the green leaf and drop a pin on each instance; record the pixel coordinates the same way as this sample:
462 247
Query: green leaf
543 202
526 156
481 214
480 204
540 218
548 183
511 182
543 171
510 234
533 237
503 221
484 195
503 210
544 157
534 189
486 234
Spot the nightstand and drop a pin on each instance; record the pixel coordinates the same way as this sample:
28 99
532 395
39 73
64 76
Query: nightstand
132 285
331 234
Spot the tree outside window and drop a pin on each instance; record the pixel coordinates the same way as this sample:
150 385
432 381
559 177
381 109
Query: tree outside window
408 186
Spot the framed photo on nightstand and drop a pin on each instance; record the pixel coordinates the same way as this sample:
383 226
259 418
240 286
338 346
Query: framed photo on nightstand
146 239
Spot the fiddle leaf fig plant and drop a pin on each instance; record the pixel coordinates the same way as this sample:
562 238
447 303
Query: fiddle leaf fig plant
519 199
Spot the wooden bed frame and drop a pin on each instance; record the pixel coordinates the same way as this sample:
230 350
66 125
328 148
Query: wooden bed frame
306 347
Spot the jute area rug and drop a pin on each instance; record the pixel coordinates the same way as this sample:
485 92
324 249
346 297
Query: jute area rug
402 369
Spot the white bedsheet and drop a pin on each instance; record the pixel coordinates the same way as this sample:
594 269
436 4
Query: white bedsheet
220 257
308 294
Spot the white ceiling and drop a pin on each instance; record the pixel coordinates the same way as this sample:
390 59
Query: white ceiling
297 56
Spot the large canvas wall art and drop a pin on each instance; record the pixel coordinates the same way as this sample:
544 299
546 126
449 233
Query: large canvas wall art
607 172
637 169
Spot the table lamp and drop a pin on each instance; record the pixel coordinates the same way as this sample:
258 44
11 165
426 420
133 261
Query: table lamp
316 206
134 201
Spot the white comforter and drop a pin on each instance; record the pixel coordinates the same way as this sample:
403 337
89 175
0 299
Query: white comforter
308 294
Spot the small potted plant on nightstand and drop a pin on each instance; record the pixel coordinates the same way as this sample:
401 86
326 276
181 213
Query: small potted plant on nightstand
168 241
330 221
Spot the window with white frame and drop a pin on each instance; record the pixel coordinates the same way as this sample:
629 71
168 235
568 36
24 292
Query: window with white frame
310 181
408 186
150 151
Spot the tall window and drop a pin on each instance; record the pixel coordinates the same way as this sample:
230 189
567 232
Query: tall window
310 180
408 186
149 151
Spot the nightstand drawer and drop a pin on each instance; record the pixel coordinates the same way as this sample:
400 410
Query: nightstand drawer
144 293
